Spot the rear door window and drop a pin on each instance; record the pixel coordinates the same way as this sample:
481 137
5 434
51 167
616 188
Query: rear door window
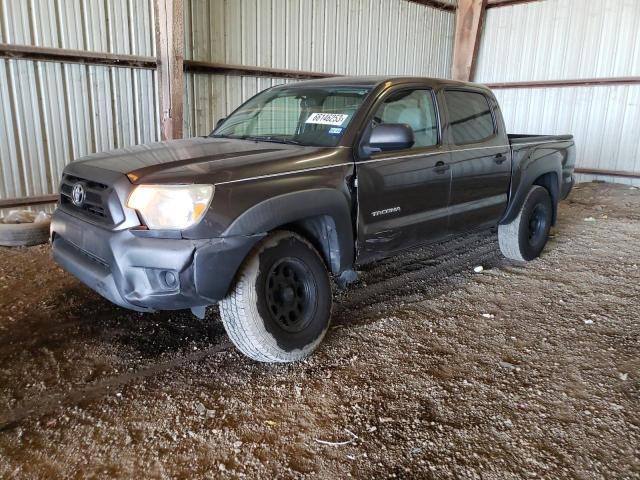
470 117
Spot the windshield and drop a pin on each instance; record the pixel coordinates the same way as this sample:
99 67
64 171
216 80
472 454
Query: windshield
311 116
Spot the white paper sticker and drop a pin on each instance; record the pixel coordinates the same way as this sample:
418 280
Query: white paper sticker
336 119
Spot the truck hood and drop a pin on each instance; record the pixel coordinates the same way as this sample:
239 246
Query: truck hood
205 159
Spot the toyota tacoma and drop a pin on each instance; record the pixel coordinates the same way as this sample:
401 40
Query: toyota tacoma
299 185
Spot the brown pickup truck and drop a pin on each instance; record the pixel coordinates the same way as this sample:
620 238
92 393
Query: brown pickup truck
300 184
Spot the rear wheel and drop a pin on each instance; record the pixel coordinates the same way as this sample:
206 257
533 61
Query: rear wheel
280 306
526 235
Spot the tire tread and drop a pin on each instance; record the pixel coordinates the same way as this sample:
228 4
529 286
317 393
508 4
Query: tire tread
509 233
242 324
23 234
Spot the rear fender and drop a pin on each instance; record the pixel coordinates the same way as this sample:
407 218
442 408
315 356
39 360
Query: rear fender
539 167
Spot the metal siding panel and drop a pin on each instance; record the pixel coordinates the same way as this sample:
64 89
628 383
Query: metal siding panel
115 26
264 34
28 125
318 35
322 35
101 108
249 32
51 113
16 22
569 39
559 40
68 14
123 105
188 121
54 113
604 121
10 157
279 31
305 34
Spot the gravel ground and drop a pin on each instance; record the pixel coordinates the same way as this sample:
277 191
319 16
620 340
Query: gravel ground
429 371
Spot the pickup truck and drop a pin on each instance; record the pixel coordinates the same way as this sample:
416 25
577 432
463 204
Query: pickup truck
299 185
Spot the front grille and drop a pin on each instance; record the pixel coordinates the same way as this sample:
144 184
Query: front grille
96 202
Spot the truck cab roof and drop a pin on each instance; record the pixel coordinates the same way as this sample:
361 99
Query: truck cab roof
375 81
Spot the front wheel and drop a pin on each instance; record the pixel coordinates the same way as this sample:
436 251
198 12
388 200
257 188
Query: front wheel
280 306
526 235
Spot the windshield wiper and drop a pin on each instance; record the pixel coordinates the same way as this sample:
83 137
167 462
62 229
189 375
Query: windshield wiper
269 138
260 138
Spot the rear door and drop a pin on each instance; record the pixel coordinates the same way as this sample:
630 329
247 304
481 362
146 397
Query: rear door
480 160
403 194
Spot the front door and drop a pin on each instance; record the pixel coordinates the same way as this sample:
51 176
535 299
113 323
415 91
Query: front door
403 194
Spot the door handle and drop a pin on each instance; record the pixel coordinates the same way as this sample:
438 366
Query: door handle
440 167
500 158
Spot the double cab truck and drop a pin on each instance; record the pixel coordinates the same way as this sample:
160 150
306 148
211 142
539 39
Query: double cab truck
299 186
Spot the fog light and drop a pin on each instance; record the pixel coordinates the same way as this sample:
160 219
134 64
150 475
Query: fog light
170 279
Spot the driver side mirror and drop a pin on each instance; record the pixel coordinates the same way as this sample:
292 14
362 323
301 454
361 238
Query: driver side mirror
389 137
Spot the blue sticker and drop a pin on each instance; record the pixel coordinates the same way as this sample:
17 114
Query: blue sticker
335 131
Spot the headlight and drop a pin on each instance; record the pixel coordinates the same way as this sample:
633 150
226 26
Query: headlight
171 207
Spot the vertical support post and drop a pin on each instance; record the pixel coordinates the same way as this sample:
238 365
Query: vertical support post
469 17
170 54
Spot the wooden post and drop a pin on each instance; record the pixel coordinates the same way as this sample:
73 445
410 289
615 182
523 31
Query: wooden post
469 18
170 53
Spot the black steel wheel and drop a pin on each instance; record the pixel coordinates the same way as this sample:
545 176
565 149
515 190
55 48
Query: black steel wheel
525 237
539 222
291 293
280 307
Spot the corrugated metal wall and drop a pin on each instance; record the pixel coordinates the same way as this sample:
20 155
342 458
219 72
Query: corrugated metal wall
562 40
352 37
210 97
51 113
605 121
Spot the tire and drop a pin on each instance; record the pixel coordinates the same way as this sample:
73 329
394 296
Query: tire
24 234
526 235
279 308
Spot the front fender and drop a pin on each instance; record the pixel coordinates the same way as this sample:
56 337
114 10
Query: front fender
287 208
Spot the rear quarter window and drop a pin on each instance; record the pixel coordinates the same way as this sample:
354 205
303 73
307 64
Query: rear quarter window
470 117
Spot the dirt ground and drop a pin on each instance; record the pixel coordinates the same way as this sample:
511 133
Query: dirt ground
429 371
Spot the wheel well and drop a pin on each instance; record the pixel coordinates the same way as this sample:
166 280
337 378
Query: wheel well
322 233
550 182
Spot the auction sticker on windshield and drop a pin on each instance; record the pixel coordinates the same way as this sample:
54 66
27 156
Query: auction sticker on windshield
327 118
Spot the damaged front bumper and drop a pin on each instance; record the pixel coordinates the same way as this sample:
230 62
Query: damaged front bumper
144 273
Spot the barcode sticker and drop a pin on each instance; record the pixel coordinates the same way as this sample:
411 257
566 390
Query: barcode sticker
336 119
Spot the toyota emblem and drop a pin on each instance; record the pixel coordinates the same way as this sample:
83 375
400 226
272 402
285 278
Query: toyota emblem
78 194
